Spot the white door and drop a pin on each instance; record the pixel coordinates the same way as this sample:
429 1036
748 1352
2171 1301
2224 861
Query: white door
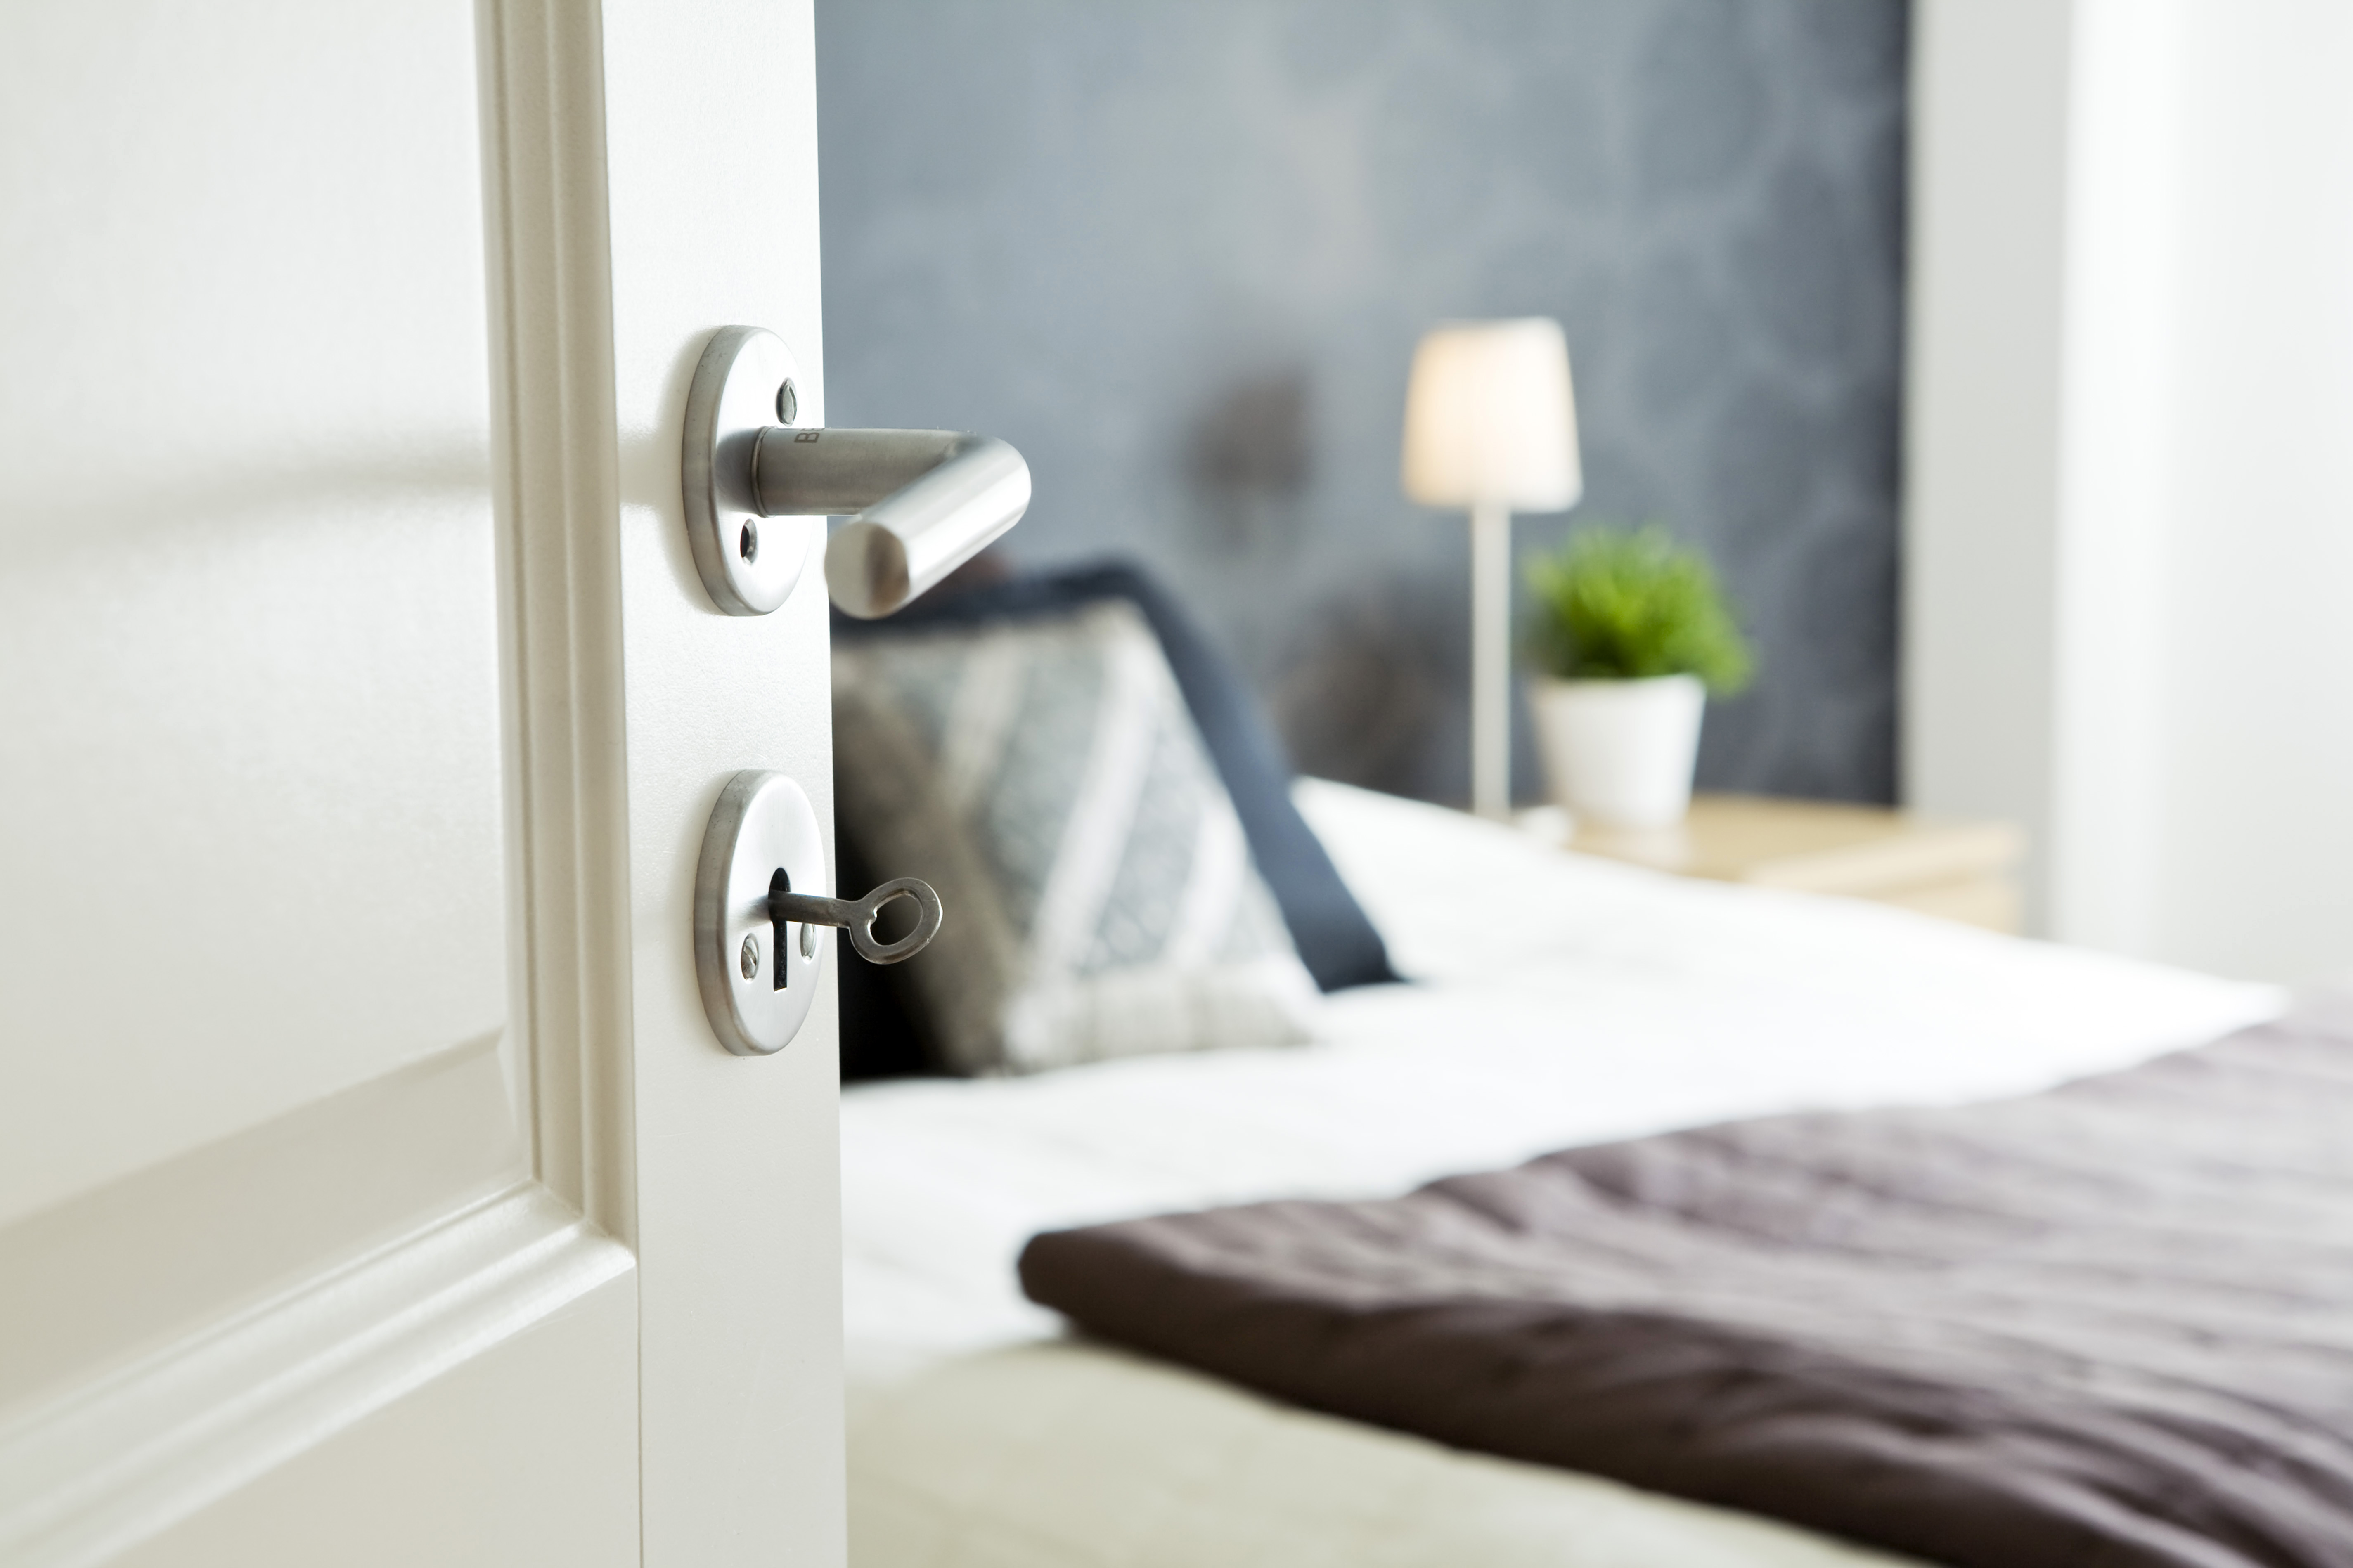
372 1189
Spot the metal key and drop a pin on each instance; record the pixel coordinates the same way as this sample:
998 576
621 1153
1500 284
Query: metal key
856 917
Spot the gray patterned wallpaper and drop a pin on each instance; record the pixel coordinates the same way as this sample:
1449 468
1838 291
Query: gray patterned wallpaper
1178 252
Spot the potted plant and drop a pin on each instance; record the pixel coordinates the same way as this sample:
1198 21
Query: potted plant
1631 633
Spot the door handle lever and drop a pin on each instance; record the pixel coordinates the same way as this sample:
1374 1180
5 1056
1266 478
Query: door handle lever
922 502
926 502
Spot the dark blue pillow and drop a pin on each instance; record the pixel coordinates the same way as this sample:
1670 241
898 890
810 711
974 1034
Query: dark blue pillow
1335 942
879 1034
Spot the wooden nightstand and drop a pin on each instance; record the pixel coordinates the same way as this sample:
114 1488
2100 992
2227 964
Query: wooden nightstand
1959 869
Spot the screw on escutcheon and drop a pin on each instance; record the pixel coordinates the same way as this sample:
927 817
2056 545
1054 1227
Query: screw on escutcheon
749 959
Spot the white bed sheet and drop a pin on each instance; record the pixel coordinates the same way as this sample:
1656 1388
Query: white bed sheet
1560 1000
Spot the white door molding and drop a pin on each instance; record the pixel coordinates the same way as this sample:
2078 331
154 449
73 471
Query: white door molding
550 245
115 1461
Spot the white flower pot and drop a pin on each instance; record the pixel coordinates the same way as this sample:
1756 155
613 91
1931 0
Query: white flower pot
1621 752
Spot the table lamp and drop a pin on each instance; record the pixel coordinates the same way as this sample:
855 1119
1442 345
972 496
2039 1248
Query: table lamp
1491 426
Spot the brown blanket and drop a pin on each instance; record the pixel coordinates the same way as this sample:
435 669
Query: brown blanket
2111 1324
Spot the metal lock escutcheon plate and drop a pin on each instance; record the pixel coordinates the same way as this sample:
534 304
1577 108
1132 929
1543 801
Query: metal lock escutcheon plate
749 563
756 988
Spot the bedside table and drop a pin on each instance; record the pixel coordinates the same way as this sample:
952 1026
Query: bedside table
1959 869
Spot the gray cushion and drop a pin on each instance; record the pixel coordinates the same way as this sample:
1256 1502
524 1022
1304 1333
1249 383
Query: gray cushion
1334 939
1047 778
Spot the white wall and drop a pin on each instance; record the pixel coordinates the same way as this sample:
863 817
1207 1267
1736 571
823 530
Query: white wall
2129 524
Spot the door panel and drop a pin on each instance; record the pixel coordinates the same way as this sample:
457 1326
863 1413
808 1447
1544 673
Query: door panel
250 734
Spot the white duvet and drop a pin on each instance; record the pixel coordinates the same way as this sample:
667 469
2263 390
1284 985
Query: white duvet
1558 1000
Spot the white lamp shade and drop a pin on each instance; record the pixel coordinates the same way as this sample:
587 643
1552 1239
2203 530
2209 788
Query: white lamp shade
1490 418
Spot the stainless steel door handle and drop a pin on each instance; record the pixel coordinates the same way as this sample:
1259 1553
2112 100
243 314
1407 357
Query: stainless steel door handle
924 501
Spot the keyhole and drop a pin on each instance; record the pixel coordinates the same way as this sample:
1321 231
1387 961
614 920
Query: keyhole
779 883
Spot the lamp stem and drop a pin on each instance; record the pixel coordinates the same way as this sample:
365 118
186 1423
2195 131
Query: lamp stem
1490 660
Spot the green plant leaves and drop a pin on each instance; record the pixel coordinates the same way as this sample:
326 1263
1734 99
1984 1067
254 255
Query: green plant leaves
1621 605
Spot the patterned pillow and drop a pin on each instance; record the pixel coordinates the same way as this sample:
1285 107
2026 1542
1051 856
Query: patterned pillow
1046 777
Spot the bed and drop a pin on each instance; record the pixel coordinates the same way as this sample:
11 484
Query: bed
1557 1001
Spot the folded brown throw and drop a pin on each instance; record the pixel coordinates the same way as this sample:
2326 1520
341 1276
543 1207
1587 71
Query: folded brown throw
2111 1324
